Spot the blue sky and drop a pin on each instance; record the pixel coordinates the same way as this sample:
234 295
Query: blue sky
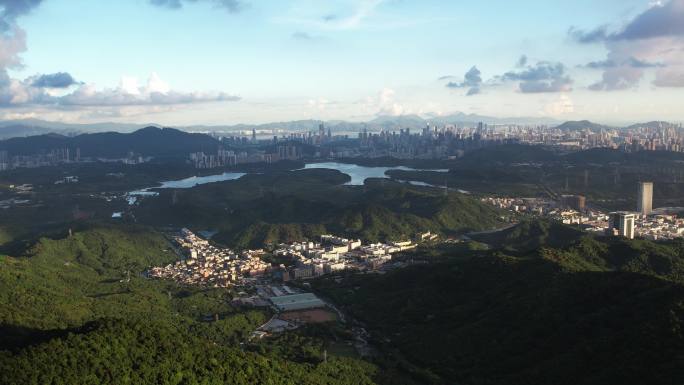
230 61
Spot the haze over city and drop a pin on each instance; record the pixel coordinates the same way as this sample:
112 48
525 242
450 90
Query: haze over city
341 192
178 62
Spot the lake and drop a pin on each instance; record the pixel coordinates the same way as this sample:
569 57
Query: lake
184 183
359 174
198 180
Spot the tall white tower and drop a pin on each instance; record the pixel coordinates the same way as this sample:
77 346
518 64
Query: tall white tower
645 199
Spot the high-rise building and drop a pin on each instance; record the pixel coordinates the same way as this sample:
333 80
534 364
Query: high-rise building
621 224
4 160
645 199
321 132
575 202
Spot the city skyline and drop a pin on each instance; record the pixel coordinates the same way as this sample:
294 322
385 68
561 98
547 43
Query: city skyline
178 62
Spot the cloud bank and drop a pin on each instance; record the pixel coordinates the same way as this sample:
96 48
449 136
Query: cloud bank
56 80
542 77
471 80
232 6
61 90
653 39
10 10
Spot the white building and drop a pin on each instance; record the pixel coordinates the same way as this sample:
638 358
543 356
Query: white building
645 199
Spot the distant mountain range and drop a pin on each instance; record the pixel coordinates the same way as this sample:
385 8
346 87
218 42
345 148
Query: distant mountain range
583 125
32 127
149 141
28 127
653 124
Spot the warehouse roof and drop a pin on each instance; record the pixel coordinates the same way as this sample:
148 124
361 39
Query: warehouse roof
304 300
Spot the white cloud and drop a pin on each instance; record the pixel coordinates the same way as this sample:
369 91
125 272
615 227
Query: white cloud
562 105
332 15
11 45
385 104
129 93
320 104
654 36
155 84
127 85
667 50
363 9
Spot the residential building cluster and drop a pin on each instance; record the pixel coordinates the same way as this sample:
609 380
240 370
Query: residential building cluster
332 253
227 158
661 227
440 142
261 151
47 158
430 142
12 202
453 140
58 156
202 263
646 222
67 180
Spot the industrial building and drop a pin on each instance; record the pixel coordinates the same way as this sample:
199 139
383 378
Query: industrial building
296 302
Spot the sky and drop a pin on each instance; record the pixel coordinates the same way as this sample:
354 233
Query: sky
217 62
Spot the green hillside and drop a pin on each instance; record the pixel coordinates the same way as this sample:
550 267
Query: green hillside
76 310
530 235
122 352
577 251
582 125
507 154
148 141
594 311
287 206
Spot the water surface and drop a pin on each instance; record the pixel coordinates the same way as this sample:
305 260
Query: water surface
190 182
359 174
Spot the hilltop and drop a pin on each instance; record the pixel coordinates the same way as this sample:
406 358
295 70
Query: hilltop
507 154
80 307
148 141
289 206
24 127
653 124
605 156
566 310
582 125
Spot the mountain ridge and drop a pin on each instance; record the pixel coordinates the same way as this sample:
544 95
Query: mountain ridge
147 141
31 127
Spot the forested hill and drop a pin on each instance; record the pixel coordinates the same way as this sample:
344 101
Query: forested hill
149 141
291 206
591 311
574 250
506 154
76 310
582 125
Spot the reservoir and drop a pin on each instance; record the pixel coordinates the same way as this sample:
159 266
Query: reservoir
184 183
198 180
358 173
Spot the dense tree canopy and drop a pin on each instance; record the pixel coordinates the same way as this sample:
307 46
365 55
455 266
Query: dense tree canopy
76 310
594 311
